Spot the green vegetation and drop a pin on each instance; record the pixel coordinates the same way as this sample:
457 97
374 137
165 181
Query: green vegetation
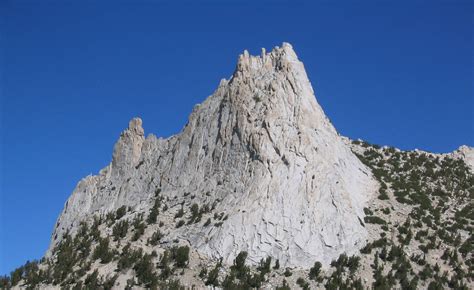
139 227
120 230
155 238
213 276
429 186
182 256
424 208
242 277
315 271
121 211
102 251
154 212
129 257
374 220
145 273
302 283
284 286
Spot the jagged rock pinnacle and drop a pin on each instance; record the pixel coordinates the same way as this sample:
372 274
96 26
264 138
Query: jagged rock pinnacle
273 59
259 168
135 126
127 150
262 151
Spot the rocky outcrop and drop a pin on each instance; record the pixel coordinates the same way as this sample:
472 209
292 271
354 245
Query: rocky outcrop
128 148
262 151
465 153
100 193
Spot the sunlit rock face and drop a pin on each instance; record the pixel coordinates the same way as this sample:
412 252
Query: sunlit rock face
261 150
465 153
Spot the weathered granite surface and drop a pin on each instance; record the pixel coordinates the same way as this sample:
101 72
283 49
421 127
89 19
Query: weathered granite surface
263 150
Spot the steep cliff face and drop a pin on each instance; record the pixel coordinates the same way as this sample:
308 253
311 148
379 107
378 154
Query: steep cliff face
262 151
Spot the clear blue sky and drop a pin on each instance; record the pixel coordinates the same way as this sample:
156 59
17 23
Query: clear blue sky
73 74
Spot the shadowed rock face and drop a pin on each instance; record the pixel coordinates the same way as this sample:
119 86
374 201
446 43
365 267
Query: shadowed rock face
261 148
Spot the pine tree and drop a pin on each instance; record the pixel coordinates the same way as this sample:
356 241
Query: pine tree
315 271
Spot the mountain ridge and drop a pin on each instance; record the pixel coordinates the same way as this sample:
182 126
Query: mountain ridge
254 120
260 190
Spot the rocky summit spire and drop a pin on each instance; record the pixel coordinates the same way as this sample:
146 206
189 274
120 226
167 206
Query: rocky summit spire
278 59
259 151
292 188
128 148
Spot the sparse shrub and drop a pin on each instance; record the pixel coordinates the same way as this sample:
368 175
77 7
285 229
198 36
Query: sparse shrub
154 212
265 266
179 214
182 256
144 271
195 213
120 230
155 238
103 252
128 257
139 227
109 282
180 223
315 271
121 211
213 276
284 286
277 265
239 263
203 273
164 265
353 264
92 280
302 283
16 276
374 220
383 194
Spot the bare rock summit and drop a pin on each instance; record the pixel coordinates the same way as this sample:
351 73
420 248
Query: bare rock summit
261 151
